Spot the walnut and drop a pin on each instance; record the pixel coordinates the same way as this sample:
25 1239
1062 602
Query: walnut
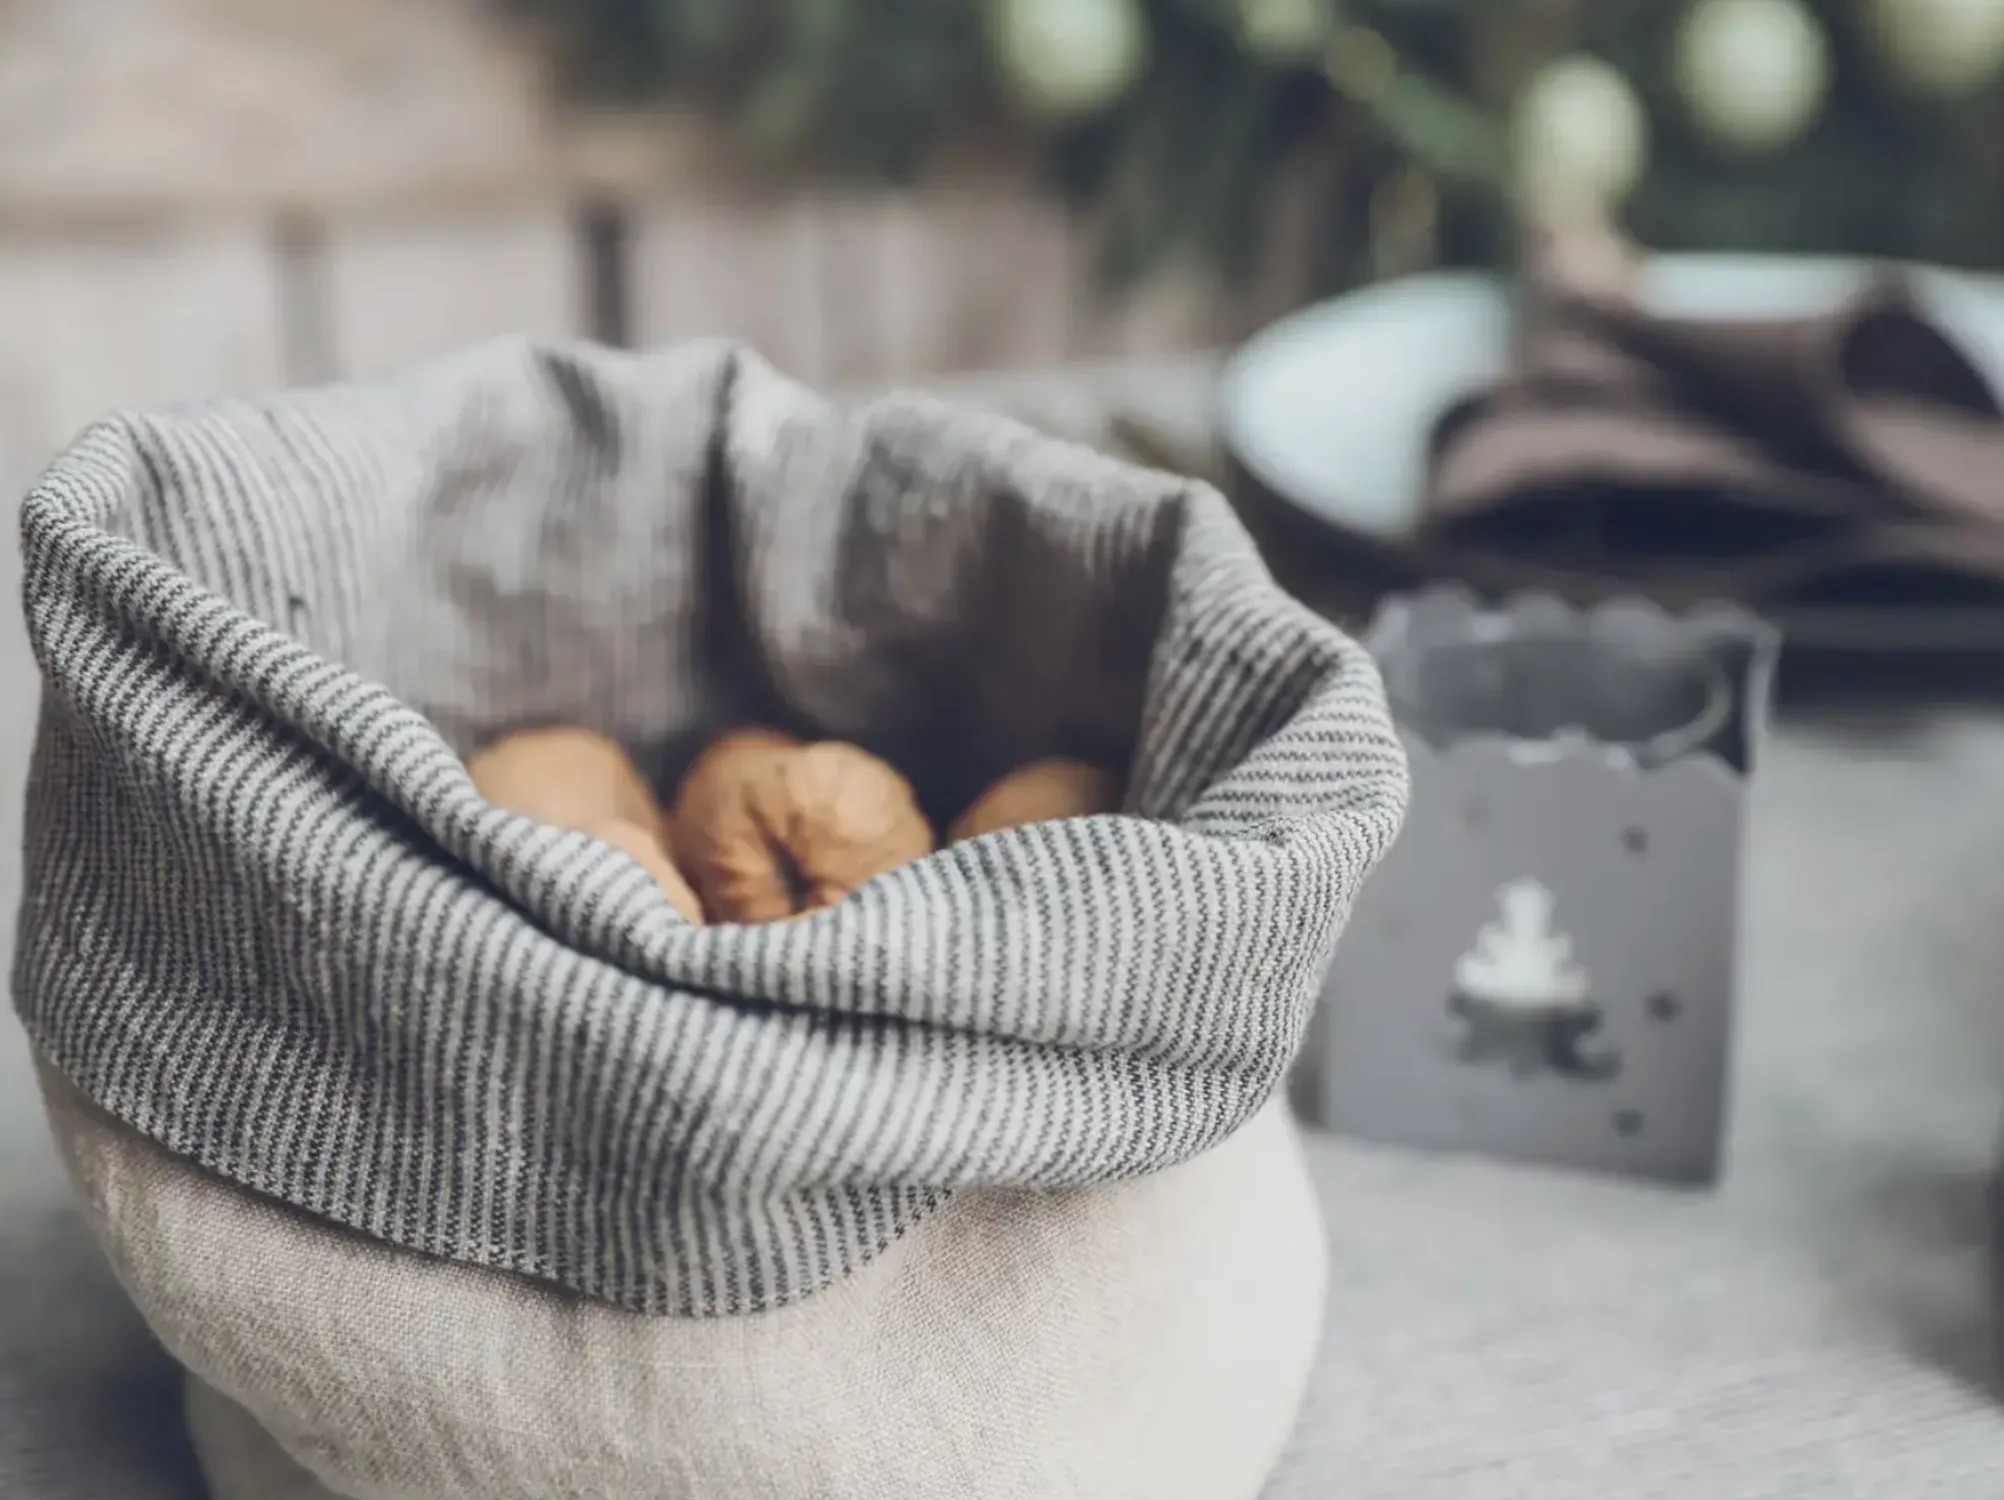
569 777
713 833
644 846
769 828
1041 792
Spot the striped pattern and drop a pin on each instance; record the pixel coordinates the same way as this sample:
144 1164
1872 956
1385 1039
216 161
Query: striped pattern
270 924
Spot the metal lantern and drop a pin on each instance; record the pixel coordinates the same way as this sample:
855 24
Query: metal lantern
1543 965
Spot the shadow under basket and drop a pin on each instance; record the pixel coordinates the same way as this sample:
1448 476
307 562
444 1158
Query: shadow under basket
454 1164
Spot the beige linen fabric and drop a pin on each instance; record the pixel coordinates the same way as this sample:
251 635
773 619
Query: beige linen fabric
1147 1340
238 1457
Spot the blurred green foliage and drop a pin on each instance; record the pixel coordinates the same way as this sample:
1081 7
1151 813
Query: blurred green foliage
1399 111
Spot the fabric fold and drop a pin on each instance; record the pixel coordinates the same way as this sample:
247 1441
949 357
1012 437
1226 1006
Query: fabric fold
1853 455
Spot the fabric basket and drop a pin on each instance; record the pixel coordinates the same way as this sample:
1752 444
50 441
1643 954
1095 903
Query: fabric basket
451 1160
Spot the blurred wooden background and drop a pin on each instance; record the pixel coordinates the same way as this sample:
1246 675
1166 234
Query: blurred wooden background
200 195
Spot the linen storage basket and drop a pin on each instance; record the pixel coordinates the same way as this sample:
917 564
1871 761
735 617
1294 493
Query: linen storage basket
453 1164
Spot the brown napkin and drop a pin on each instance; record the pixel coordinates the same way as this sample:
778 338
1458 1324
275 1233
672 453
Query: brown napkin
1854 457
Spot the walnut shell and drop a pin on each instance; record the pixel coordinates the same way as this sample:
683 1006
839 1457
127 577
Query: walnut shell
569 777
711 833
768 828
645 849
1041 792
565 776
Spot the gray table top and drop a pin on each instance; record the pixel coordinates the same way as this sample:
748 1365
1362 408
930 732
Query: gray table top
1818 1326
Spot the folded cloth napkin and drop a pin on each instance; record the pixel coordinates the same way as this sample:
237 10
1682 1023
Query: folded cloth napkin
1853 457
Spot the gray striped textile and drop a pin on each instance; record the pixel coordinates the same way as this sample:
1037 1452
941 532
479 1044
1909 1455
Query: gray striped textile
270 924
